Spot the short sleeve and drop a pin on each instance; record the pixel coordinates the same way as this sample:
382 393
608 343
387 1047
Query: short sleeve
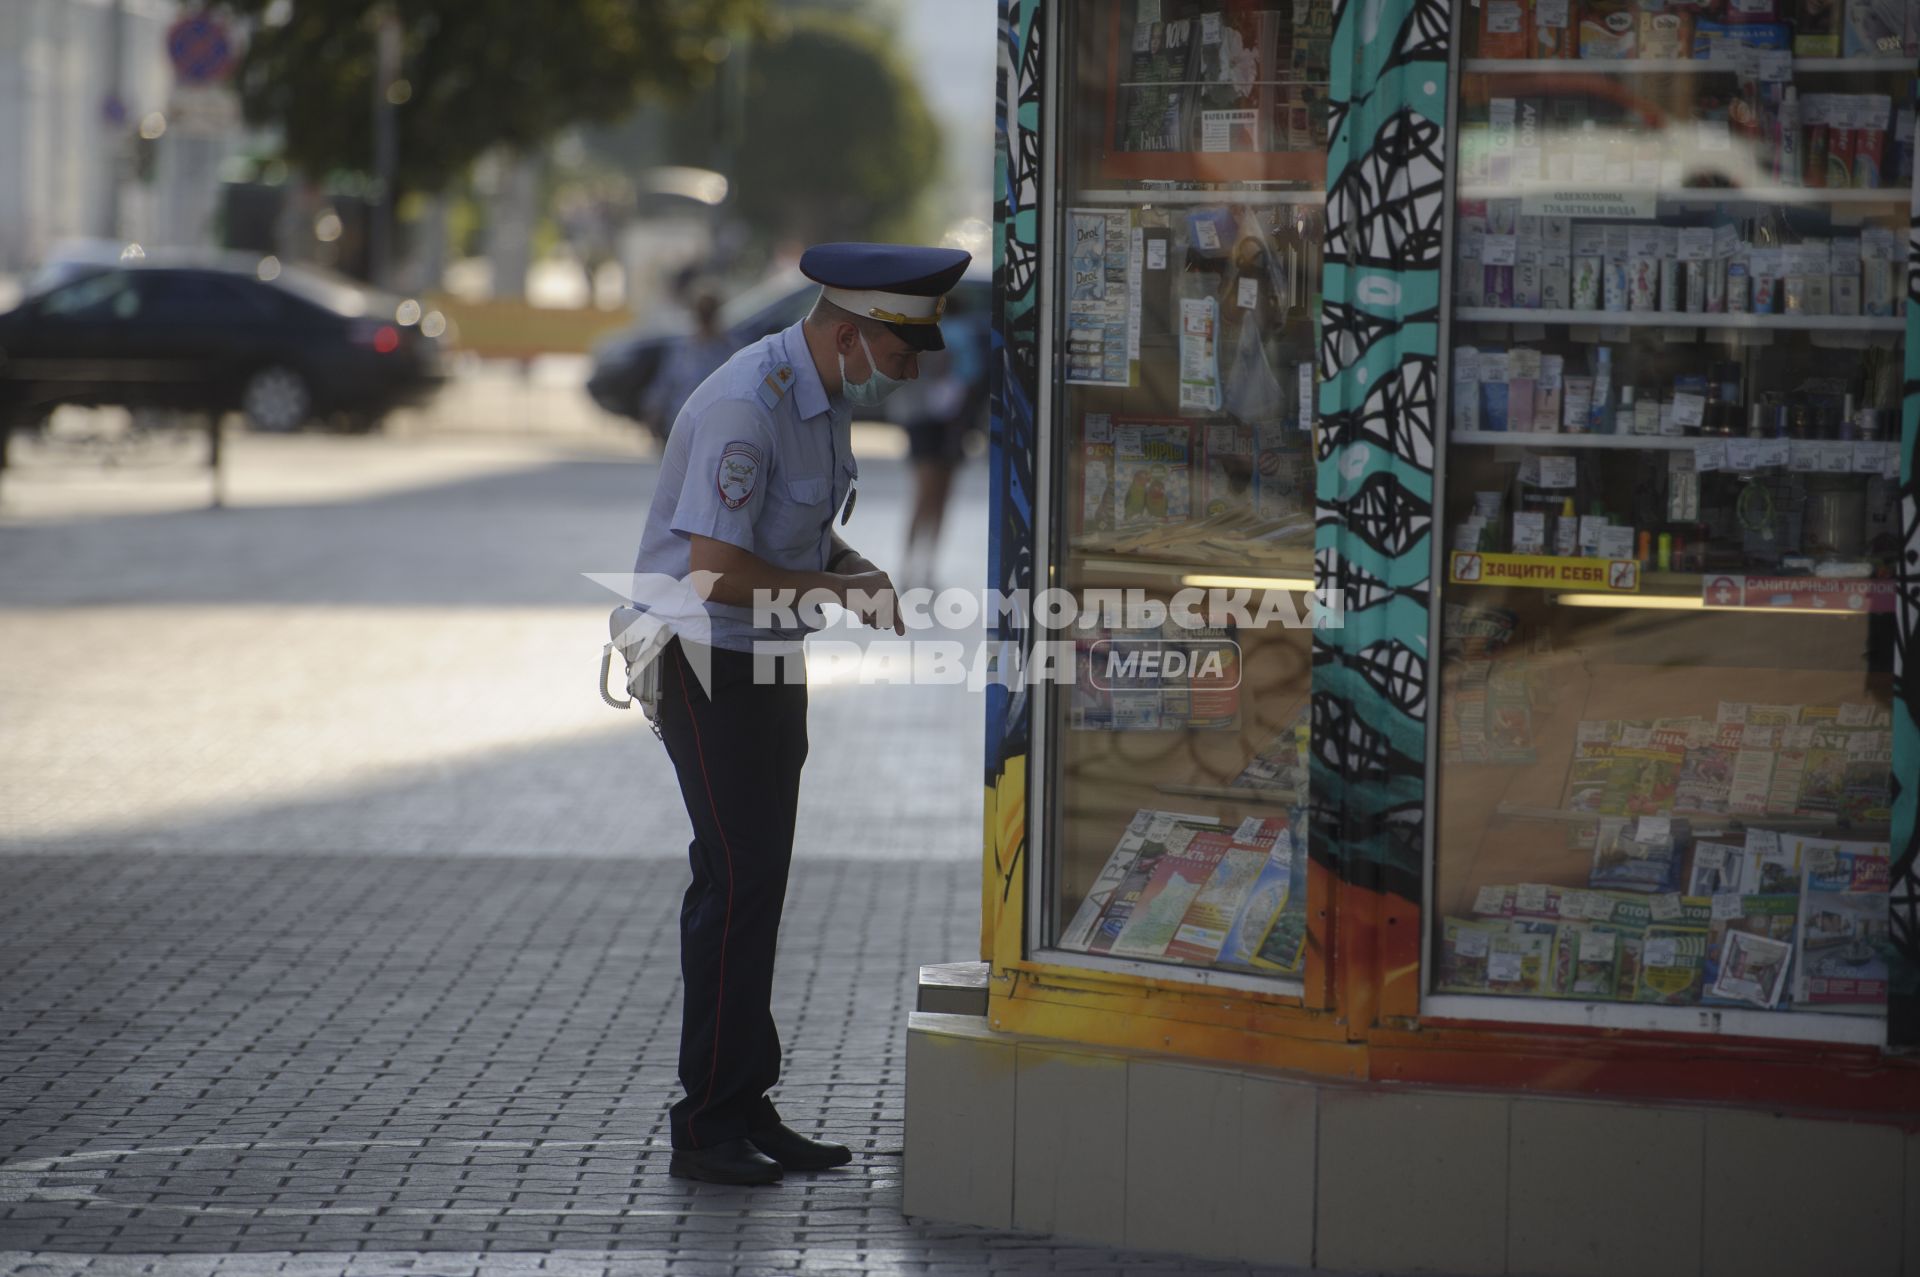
728 467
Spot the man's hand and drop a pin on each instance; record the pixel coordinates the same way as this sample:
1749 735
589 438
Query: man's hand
869 594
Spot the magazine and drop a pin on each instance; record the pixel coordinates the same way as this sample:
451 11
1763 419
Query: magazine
1673 964
1751 969
1845 926
1465 945
1176 881
1149 835
1266 900
1152 473
1079 932
1203 932
1771 919
1718 868
1638 856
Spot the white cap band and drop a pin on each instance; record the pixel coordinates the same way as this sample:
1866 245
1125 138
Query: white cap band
888 308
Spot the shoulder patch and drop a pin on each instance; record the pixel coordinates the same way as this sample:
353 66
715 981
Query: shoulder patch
738 473
775 385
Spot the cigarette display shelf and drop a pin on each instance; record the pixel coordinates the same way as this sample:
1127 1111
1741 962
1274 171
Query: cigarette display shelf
1675 319
1823 195
1557 440
1672 66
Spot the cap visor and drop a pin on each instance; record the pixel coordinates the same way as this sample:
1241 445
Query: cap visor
919 336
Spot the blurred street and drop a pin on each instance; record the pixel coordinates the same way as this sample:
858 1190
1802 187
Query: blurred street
337 912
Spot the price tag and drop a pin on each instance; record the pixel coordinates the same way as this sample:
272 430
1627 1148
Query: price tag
1503 17
1728 905
1598 906
1596 946
1763 842
1156 254
1660 951
1250 830
1559 472
1742 455
1710 456
1306 396
1589 239
1654 829
1770 452
1836 458
1490 900
1572 903
1530 897
1807 259
1822 860
1843 256
1210 28
1147 11
1803 456
1643 241
1755 737
1143 29
1726 240
1689 409
1774 66
1696 244
1633 736
1870 458
1551 13
1470 942
1206 235
1503 968
1500 250
1665 906
1249 292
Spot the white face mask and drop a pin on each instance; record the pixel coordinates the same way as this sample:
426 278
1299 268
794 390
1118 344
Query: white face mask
877 386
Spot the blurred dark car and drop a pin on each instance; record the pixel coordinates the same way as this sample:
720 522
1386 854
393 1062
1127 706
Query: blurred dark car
214 337
625 365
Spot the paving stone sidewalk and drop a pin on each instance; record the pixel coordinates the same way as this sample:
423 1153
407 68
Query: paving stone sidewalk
336 943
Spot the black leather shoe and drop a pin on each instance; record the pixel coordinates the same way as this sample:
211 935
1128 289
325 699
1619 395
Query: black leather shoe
733 1162
796 1152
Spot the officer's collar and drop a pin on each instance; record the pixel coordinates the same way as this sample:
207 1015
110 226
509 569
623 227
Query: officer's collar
809 393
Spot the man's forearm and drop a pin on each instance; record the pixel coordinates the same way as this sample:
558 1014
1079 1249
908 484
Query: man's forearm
743 573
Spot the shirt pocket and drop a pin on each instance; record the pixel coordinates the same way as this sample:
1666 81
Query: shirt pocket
793 523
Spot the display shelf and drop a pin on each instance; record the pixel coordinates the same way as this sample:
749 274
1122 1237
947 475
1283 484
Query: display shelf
1216 166
1666 319
1704 824
1293 573
1242 795
1822 195
1669 66
1134 197
1534 439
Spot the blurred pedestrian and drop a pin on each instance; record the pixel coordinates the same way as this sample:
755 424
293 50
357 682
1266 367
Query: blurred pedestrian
758 464
689 362
949 411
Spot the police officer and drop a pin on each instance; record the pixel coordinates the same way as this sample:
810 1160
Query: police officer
757 466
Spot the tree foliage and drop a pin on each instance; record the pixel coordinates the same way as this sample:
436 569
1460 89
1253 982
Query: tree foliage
479 73
835 139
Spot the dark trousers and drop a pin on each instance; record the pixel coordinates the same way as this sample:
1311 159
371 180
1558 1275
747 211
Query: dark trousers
738 746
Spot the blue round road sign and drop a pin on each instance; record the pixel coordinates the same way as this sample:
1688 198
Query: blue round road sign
200 49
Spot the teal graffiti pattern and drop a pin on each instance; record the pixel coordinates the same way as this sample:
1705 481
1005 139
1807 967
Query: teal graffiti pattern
1379 369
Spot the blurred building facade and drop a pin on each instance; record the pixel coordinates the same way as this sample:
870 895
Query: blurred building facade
79 81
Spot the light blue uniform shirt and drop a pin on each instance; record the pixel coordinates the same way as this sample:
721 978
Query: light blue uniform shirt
760 457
